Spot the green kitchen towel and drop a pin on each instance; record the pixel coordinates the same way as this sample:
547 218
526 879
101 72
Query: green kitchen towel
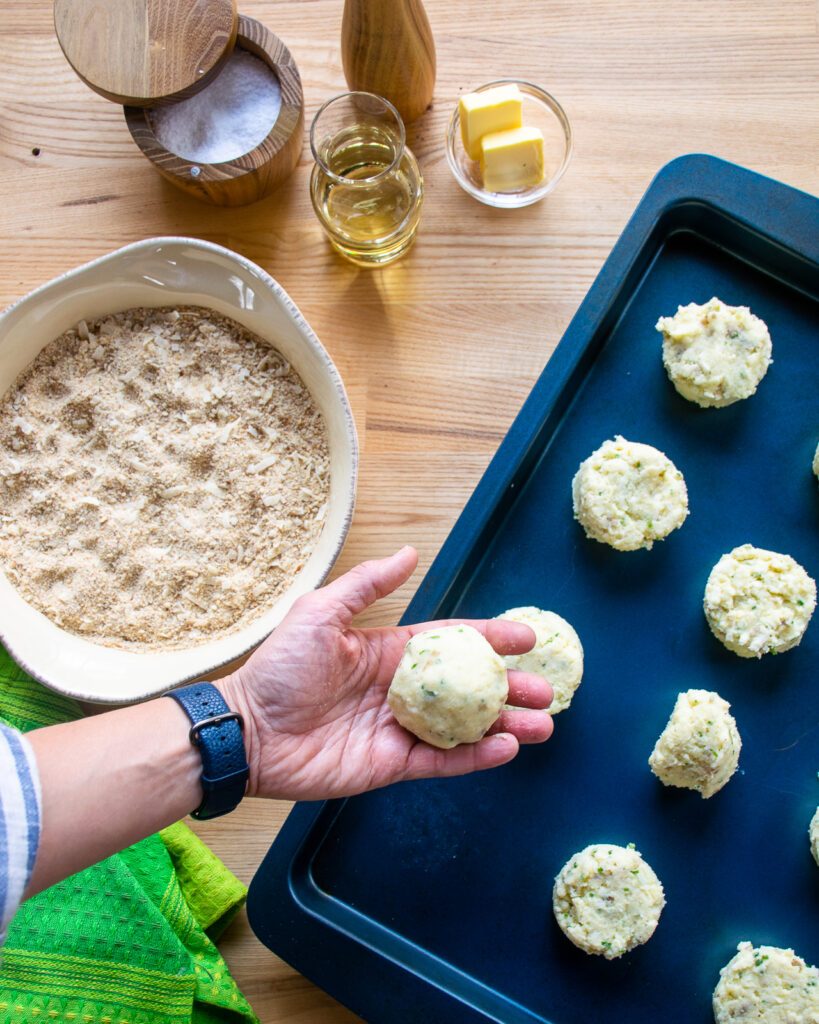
129 940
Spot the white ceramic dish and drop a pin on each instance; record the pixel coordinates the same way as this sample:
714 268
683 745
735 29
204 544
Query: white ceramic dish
167 272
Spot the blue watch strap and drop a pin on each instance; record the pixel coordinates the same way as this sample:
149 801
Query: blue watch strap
217 732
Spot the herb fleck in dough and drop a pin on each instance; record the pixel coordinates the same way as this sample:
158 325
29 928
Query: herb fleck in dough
449 687
715 354
628 495
607 900
766 985
699 747
758 602
557 655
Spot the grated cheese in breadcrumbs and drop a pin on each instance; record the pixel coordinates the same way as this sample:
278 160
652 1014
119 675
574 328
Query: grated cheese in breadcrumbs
164 474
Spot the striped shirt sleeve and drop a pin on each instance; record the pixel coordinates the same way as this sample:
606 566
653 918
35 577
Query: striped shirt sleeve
19 821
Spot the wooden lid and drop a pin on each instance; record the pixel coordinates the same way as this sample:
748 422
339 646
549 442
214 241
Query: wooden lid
141 52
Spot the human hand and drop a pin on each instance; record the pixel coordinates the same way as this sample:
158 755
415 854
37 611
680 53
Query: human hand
314 697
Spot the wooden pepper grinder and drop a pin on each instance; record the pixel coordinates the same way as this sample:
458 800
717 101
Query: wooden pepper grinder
387 48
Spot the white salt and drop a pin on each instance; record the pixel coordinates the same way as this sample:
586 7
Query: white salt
226 119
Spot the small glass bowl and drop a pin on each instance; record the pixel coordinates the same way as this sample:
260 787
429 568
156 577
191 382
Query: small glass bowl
540 110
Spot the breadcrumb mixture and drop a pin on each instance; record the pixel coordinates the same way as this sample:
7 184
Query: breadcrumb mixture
164 474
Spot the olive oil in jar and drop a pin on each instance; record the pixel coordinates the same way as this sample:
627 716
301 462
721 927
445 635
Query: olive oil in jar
366 187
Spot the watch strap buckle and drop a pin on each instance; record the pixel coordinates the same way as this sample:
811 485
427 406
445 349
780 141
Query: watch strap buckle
227 716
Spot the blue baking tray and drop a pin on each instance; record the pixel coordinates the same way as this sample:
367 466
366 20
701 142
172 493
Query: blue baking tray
430 902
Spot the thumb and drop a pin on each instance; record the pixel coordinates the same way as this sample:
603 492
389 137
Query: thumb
362 586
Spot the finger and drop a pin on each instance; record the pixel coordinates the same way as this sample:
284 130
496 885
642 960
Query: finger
505 636
426 762
527 690
509 637
526 726
362 586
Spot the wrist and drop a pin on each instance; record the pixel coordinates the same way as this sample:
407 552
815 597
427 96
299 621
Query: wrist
237 698
172 758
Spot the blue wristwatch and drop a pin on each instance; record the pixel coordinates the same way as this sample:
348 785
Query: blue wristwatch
217 732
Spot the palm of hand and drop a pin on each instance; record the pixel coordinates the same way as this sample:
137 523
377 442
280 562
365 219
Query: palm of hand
314 698
322 695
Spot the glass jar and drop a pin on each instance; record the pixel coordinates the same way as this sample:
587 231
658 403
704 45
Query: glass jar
366 187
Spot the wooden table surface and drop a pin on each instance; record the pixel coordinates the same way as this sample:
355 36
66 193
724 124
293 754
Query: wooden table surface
439 350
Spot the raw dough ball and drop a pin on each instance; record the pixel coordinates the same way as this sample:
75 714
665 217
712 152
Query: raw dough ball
758 602
699 748
766 985
813 832
715 354
607 900
449 686
557 654
628 495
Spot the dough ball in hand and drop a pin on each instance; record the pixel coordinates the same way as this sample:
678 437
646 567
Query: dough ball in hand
449 687
607 900
699 747
715 354
758 602
766 985
628 495
557 654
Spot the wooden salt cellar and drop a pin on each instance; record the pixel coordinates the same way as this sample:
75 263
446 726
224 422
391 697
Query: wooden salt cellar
387 48
146 53
255 174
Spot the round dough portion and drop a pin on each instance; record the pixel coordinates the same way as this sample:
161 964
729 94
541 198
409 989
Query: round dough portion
813 833
766 985
607 900
758 602
628 495
715 354
557 654
699 747
449 686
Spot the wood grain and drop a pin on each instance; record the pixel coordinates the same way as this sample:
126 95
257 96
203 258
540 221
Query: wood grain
439 350
387 47
144 51
253 175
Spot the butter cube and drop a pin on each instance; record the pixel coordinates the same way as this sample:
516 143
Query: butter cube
493 110
512 160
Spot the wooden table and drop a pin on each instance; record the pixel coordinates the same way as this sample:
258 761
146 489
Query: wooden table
438 351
